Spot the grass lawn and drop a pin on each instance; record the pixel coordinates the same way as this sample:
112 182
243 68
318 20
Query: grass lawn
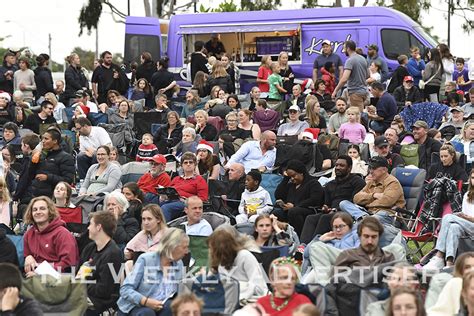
426 249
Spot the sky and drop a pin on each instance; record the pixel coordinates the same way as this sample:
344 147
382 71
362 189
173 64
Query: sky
28 23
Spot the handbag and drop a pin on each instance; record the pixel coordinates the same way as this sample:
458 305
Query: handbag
422 83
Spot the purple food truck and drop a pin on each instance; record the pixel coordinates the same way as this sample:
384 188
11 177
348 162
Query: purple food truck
247 36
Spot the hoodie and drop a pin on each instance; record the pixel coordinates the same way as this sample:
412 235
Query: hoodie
55 244
257 200
329 79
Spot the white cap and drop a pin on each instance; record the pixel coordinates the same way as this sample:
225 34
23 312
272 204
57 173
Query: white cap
294 107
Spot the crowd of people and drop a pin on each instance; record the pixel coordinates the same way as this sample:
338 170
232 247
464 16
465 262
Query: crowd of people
329 144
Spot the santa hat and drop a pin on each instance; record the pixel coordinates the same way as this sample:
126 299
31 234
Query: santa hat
311 133
83 109
306 86
203 144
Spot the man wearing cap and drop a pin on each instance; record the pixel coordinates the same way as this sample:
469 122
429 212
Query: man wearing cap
386 109
34 121
256 154
214 46
399 74
155 177
382 148
373 56
7 70
294 126
427 145
338 118
380 195
355 75
82 96
327 55
456 120
407 94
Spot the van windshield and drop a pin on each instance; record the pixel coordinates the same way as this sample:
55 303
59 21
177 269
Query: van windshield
426 36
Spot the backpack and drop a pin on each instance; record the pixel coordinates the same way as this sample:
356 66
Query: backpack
410 155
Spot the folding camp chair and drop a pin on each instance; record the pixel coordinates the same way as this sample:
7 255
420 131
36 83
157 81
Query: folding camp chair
214 219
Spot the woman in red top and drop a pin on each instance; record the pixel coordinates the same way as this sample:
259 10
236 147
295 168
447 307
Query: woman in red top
283 278
47 239
263 72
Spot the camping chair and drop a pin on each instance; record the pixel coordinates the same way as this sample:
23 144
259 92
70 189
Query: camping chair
283 250
214 219
270 181
132 171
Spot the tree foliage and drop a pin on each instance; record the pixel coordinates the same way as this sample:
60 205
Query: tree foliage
257 5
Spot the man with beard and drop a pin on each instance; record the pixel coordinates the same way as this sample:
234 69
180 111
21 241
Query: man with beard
338 118
355 75
256 154
392 138
382 148
373 56
154 178
426 145
108 76
369 253
327 55
343 187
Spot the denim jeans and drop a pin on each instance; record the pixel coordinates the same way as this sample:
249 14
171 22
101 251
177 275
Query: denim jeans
172 209
357 212
453 227
378 127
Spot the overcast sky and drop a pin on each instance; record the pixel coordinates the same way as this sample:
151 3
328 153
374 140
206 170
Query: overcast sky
29 22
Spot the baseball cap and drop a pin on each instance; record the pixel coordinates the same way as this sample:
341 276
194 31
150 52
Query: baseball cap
380 141
407 78
80 93
377 162
326 42
159 159
420 124
457 108
373 46
294 107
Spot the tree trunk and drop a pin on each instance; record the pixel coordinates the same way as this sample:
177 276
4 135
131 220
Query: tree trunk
338 3
146 4
351 3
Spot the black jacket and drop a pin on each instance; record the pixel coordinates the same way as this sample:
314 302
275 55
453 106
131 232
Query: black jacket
127 228
339 190
5 84
401 96
397 78
33 122
75 80
209 132
454 171
146 70
309 193
44 81
198 63
164 143
225 83
160 80
8 253
23 188
27 306
58 166
425 150
104 292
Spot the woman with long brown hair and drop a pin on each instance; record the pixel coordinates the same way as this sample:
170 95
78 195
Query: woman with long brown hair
220 77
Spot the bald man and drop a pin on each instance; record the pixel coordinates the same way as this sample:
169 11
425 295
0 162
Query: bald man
256 154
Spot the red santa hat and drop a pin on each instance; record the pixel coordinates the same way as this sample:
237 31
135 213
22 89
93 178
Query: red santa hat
311 133
203 144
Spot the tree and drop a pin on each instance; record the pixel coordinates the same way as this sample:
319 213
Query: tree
87 57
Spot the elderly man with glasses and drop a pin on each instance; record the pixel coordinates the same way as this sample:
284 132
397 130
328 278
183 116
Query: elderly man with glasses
154 178
34 121
294 126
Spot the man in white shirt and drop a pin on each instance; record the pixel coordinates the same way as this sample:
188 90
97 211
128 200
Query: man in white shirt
256 154
196 225
91 138
83 97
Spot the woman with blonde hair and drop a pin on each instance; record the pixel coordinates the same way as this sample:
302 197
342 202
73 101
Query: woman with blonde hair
5 205
153 229
314 119
74 78
205 130
59 107
462 142
246 124
285 71
47 229
220 77
352 130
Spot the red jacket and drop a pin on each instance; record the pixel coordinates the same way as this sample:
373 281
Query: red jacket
192 186
329 79
148 184
55 244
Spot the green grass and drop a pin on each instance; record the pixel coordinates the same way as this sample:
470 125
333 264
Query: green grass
416 257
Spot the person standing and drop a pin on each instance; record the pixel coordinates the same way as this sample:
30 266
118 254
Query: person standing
75 79
6 72
415 65
43 77
355 74
433 75
24 80
108 76
326 56
198 60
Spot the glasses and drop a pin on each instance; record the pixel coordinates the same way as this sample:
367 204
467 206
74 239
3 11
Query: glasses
339 227
154 163
293 111
188 162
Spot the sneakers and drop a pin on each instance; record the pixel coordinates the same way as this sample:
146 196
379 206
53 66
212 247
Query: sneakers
435 264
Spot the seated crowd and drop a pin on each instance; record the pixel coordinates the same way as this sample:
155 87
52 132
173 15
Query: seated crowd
290 190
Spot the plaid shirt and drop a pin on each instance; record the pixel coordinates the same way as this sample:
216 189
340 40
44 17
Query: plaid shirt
438 191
